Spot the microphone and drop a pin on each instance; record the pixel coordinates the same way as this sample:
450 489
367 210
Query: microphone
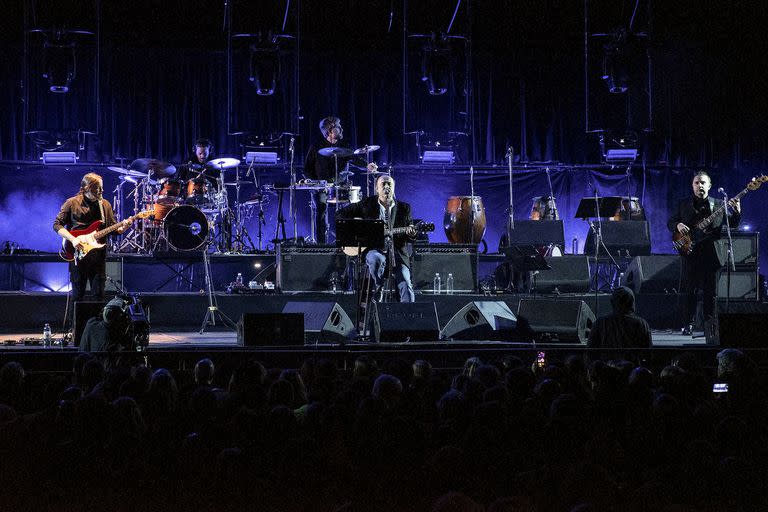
721 190
290 147
510 152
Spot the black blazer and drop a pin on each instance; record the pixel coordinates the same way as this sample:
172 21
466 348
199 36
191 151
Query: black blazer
688 215
368 208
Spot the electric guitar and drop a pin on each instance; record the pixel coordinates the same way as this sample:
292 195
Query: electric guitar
420 227
89 237
684 243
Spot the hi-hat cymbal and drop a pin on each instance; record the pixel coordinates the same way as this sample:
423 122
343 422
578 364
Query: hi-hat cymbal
223 163
158 168
332 151
367 149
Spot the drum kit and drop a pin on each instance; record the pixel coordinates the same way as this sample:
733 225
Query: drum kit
188 213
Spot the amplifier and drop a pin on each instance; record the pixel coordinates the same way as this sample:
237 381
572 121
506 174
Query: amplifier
534 232
458 259
745 285
310 269
745 246
623 238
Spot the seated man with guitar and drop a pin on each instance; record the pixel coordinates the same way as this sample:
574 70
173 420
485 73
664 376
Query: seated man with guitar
696 226
79 222
398 223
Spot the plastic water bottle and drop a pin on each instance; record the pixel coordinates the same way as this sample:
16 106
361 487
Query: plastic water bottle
449 284
436 285
47 335
239 279
575 246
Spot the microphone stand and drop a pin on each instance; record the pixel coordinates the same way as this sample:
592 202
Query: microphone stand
629 193
730 263
511 212
292 191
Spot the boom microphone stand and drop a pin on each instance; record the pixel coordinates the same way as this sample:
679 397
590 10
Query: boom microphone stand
213 305
731 264
511 211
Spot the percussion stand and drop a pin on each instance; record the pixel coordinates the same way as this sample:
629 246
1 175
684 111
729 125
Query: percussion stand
280 227
291 196
136 239
213 305
238 244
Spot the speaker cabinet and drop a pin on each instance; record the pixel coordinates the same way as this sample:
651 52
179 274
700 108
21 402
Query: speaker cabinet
405 321
557 321
460 260
742 325
482 320
622 238
310 269
323 321
569 274
744 285
534 232
270 329
659 273
745 246
84 310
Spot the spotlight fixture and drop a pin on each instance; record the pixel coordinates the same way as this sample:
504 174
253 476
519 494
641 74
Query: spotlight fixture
264 69
60 66
261 158
59 158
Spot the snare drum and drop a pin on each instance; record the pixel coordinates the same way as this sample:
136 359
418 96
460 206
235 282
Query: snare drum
170 191
198 192
344 194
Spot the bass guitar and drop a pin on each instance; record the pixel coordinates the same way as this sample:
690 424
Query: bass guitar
90 237
684 243
420 227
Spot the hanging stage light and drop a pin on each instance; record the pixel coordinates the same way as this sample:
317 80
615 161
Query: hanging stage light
60 66
264 69
436 70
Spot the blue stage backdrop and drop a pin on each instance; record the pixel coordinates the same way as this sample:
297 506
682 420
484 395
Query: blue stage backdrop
30 197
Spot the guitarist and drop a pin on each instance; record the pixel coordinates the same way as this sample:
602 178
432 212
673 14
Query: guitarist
395 214
699 269
79 212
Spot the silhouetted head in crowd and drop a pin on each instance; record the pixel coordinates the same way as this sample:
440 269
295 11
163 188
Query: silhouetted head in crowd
488 375
281 393
731 362
204 372
455 502
623 300
93 374
299 390
163 391
470 365
422 370
388 389
127 417
78 364
248 376
399 368
11 378
365 367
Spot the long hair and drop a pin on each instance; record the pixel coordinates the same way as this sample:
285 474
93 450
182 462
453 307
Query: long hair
88 180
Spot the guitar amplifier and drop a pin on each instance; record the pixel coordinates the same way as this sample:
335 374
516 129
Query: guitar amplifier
623 238
431 259
745 246
310 269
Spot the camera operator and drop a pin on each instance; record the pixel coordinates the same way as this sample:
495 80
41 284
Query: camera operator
117 329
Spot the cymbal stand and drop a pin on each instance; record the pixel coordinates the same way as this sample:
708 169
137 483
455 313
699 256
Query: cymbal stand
241 234
291 193
511 211
135 240
213 305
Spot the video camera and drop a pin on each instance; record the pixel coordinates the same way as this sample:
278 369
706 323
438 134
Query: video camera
127 315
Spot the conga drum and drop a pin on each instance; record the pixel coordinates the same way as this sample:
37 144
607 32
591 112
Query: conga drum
464 219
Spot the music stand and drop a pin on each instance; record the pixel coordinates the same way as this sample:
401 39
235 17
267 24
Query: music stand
526 258
359 234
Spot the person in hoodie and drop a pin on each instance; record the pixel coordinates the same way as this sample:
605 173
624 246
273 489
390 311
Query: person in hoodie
623 328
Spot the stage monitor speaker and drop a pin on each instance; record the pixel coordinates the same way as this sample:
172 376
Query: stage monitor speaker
744 285
482 320
313 268
270 329
323 321
569 274
84 311
535 232
659 273
741 325
557 321
405 321
458 259
746 248
622 238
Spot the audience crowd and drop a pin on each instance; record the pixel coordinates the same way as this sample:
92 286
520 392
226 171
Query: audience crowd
496 436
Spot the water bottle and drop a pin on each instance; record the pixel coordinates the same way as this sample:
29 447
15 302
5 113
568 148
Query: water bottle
575 246
436 285
239 279
449 284
47 335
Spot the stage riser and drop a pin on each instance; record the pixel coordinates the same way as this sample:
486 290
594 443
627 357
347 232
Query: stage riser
27 312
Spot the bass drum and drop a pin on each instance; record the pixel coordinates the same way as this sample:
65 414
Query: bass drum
464 219
186 228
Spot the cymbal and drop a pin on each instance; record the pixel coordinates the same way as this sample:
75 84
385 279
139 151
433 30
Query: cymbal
367 149
159 168
223 163
332 151
125 172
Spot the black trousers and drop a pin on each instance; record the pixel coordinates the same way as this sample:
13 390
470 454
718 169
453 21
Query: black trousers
320 201
699 274
91 269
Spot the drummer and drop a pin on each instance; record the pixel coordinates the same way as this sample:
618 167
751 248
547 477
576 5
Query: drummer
195 169
319 167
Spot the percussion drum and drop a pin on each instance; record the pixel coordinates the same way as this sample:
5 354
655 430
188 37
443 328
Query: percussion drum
198 192
344 194
544 208
162 210
170 191
464 219
630 209
186 228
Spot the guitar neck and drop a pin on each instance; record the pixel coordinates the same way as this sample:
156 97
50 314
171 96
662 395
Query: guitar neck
711 218
104 232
